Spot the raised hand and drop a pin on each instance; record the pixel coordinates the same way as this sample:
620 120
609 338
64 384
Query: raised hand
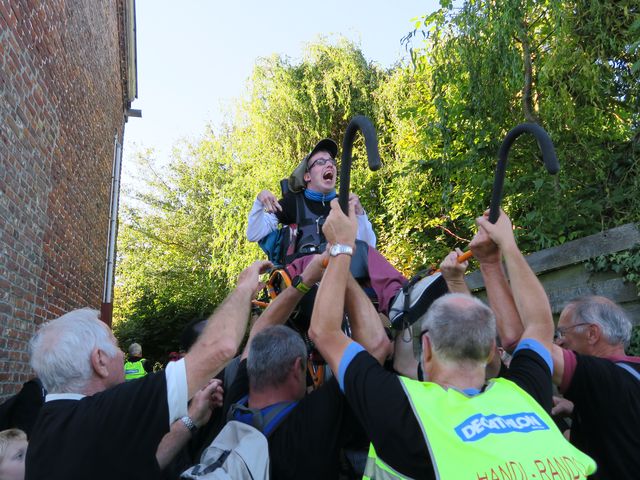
269 201
339 228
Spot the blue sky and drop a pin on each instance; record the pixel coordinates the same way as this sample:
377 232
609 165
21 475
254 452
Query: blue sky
194 56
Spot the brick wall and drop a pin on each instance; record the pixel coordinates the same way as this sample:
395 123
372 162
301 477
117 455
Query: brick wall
61 103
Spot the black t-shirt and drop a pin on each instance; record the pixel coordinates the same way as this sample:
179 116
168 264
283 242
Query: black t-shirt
112 434
288 215
378 400
606 416
306 445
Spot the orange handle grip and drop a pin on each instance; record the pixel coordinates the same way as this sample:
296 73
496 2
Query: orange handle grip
465 256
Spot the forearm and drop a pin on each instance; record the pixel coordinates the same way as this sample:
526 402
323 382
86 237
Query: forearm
276 313
365 322
503 305
326 320
457 286
529 296
219 341
260 223
177 437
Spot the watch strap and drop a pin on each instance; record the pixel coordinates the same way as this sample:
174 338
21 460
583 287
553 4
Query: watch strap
189 423
340 249
299 285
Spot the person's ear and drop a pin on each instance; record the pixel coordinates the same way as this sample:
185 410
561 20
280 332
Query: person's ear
594 333
493 352
427 350
99 363
298 370
307 177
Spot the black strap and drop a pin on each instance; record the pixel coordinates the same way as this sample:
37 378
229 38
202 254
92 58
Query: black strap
266 423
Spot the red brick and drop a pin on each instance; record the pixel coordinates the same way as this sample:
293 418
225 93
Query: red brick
63 104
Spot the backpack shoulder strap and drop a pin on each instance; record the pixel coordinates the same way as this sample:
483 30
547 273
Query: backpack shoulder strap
300 208
629 369
265 423
275 416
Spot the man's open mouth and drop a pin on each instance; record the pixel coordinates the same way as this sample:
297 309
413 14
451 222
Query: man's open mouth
328 175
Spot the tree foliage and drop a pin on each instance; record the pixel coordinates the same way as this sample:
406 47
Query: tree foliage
476 71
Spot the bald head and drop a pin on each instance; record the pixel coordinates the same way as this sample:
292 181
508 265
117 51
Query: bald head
461 328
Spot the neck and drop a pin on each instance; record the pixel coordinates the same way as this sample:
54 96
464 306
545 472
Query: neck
458 375
93 386
604 350
319 196
270 396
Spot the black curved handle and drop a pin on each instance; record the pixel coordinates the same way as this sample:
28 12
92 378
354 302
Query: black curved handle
362 123
548 157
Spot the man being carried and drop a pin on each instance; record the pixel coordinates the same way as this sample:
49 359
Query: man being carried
312 187
424 429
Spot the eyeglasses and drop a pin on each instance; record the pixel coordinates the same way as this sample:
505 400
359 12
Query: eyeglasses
322 162
562 331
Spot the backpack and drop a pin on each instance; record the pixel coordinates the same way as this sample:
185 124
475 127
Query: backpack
240 451
415 298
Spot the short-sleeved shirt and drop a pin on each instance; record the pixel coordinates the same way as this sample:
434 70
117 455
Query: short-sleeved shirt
606 415
112 434
379 402
308 441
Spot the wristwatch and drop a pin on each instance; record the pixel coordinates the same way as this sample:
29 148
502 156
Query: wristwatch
339 249
299 285
188 422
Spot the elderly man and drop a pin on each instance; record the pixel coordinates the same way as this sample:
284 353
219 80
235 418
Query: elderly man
93 425
454 425
310 430
590 368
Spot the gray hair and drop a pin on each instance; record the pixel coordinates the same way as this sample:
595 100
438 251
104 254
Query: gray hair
135 350
272 353
61 350
610 317
461 328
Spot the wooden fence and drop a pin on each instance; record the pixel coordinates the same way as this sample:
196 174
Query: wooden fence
564 276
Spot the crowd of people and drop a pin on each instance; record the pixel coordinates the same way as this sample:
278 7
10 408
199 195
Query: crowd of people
476 401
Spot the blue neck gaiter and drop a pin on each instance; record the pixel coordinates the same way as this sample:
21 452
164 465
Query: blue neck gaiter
319 197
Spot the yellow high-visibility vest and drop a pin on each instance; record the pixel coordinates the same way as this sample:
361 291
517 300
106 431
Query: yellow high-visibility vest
500 433
133 370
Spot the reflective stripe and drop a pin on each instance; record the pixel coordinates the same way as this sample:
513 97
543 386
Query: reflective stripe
374 470
134 370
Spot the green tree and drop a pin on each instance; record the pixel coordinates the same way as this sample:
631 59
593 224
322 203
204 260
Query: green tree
183 242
